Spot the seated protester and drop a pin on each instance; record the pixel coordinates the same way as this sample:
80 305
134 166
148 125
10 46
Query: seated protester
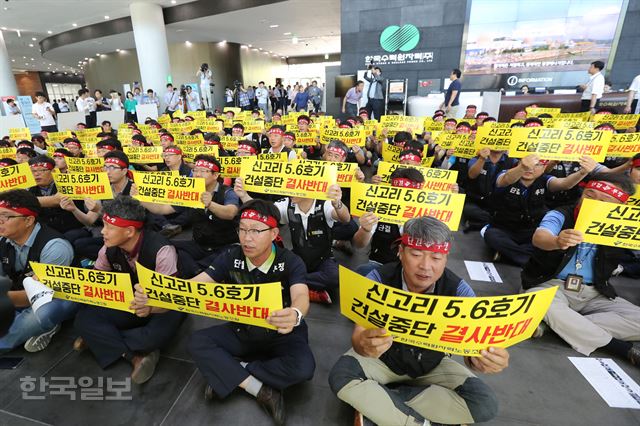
111 334
451 162
585 311
563 198
276 133
138 139
116 165
470 112
22 240
310 152
51 214
310 223
174 161
519 205
7 162
108 145
237 130
289 140
81 126
450 124
59 156
74 147
261 361
610 162
520 115
489 120
106 128
432 386
482 174
39 144
24 144
631 265
481 117
213 226
23 155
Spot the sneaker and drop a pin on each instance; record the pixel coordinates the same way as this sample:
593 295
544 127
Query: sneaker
209 394
319 296
79 344
497 257
170 230
542 327
87 263
38 343
634 355
617 271
144 367
272 401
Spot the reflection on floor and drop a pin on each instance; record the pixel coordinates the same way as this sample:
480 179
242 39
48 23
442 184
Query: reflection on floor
541 386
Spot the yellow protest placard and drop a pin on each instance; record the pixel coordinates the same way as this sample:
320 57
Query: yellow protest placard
619 121
196 139
402 123
456 325
397 205
172 190
273 156
609 224
495 125
57 137
434 179
448 140
568 124
349 137
8 152
433 126
189 152
88 135
391 154
559 144
306 138
16 177
144 154
634 200
624 145
19 133
84 165
536 111
230 166
210 125
309 179
242 303
346 172
495 138
253 126
235 110
78 186
111 290
230 143
574 115
466 148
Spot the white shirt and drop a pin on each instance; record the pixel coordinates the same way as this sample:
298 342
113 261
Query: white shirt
262 94
193 101
595 86
116 104
635 86
42 111
91 103
64 107
205 78
282 206
292 153
229 95
82 106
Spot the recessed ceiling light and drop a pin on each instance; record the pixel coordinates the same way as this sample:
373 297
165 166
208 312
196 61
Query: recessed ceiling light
24 57
31 59
287 33
188 43
97 54
173 2
274 26
86 59
106 16
250 45
30 44
13 60
3 28
74 25
117 50
49 32
294 40
33 38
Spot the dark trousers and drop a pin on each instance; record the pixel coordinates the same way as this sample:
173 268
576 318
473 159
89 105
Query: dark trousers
344 231
49 129
112 334
514 245
92 119
130 116
475 213
377 107
88 247
586 103
325 277
278 360
192 258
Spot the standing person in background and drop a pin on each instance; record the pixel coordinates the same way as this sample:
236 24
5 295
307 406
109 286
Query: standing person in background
152 98
205 75
44 113
130 108
13 108
63 105
301 100
633 96
102 104
450 104
82 105
92 120
593 89
171 99
291 93
262 95
244 101
228 97
138 96
193 99
375 94
315 94
115 102
351 101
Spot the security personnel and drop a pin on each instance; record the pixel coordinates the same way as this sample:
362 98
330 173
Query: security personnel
433 387
270 360
585 311
519 202
137 336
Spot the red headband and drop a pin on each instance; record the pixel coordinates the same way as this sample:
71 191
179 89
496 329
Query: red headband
418 244
606 127
304 120
20 210
603 112
406 183
543 162
23 145
607 188
247 148
533 124
276 131
173 150
114 160
411 157
290 137
74 143
46 165
635 163
337 151
59 154
206 142
270 221
207 165
107 147
5 164
167 136
122 223
344 126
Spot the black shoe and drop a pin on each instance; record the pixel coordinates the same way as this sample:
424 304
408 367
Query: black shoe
634 355
209 394
273 403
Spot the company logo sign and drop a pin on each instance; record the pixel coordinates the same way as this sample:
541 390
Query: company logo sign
513 80
404 39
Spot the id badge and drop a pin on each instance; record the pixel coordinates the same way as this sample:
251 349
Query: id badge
573 282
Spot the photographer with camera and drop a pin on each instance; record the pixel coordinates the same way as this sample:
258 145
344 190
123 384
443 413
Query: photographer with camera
205 75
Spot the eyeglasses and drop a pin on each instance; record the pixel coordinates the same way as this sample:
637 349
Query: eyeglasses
39 171
112 168
4 218
201 171
251 232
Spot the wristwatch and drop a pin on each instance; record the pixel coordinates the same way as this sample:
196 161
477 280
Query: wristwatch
299 316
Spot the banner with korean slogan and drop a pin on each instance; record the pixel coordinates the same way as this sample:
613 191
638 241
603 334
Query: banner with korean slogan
78 186
609 224
230 143
84 165
8 152
349 137
346 172
391 154
19 133
559 144
273 156
495 138
16 177
433 126
173 190
306 138
111 290
242 303
584 116
196 139
466 148
144 154
634 200
455 325
57 137
397 205
309 179
434 179
624 145
189 152
536 111
448 140
402 123
230 166
619 121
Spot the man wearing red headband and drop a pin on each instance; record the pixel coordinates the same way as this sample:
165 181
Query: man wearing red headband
585 311
213 226
435 387
519 203
261 361
276 134
22 240
174 162
136 336
74 146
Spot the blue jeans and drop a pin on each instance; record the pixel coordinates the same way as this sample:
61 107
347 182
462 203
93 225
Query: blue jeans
28 324
365 268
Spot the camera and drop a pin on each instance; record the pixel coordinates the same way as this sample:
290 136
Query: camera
204 67
237 83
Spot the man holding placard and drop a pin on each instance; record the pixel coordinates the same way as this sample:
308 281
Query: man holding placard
585 312
136 336
433 387
284 355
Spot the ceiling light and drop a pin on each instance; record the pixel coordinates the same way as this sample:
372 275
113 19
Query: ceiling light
255 50
326 56
243 46
30 44
31 59
260 48
294 40
19 33
188 43
117 50
287 33
49 32
33 38
24 57
13 60
74 25
106 16
250 45
3 28
86 59
274 26
173 2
